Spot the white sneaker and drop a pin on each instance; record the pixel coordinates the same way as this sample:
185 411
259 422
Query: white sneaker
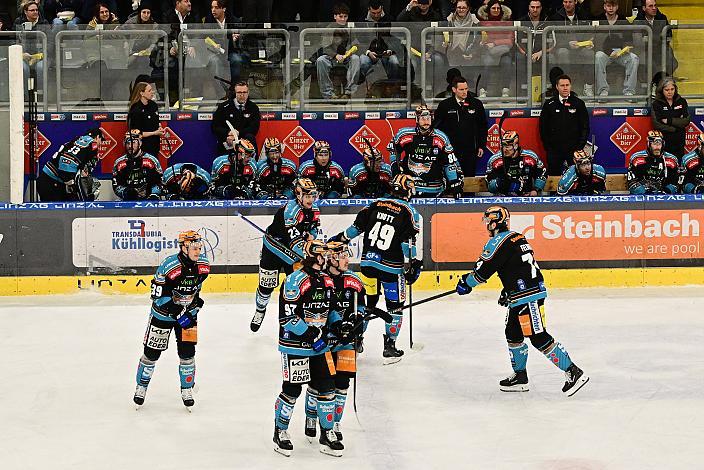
588 90
482 93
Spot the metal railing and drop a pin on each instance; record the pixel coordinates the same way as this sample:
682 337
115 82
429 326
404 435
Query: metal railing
26 36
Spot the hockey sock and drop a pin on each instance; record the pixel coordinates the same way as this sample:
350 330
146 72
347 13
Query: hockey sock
145 369
311 402
557 354
394 328
283 409
519 357
340 399
372 300
262 299
326 410
187 371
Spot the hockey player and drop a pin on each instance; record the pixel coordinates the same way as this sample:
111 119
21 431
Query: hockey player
136 175
653 171
175 304
67 174
293 225
306 315
584 178
328 176
514 171
276 174
390 227
426 154
509 254
371 178
693 168
186 182
349 304
234 175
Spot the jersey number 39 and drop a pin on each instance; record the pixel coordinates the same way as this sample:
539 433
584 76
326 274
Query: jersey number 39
381 235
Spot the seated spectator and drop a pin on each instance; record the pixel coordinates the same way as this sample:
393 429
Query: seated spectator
338 52
496 48
653 171
63 12
422 13
328 176
88 9
371 178
651 16
236 117
584 178
693 166
142 46
235 175
136 175
186 182
575 49
103 16
670 114
616 48
33 53
419 10
380 49
276 175
513 171
456 45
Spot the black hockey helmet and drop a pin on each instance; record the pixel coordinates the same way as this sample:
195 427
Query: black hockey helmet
305 186
403 186
423 110
272 144
497 219
132 135
245 147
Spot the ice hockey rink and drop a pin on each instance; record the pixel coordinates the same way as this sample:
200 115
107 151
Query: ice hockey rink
70 363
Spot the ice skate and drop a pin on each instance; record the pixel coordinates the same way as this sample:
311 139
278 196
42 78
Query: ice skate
575 380
518 382
338 430
257 320
329 444
311 432
139 395
282 441
187 397
391 354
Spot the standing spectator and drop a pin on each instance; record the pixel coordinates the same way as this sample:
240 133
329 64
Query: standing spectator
103 16
651 16
223 19
337 53
496 47
616 48
463 119
420 12
144 116
459 44
671 116
180 14
564 126
237 112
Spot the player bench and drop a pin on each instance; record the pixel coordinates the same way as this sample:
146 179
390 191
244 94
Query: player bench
614 184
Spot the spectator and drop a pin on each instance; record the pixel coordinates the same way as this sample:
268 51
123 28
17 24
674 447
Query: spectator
496 47
144 116
419 10
616 48
575 49
88 10
63 12
380 49
337 52
236 117
463 119
33 54
513 171
564 126
180 14
220 16
693 167
457 45
584 178
653 171
670 115
651 16
536 20
103 16
141 19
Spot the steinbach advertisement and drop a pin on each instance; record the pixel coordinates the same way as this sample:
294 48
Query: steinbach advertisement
578 235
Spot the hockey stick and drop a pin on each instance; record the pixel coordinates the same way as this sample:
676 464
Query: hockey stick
429 299
280 246
476 85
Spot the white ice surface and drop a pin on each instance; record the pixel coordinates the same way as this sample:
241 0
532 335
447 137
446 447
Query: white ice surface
69 364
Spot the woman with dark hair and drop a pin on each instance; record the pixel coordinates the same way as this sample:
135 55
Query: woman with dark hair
670 116
102 16
496 46
144 115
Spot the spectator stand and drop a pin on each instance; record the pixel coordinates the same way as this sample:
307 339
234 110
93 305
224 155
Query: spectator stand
8 38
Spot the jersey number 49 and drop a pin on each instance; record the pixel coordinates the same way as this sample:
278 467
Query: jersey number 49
381 235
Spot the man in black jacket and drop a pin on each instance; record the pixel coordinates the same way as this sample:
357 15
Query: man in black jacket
564 126
180 14
463 119
651 16
236 117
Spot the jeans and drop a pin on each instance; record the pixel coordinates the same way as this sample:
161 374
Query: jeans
391 66
324 64
237 59
628 61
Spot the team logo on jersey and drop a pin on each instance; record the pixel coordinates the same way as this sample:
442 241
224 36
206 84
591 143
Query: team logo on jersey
418 168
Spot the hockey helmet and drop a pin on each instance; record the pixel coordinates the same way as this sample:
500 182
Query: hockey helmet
132 136
423 111
272 144
371 156
315 248
337 248
245 148
188 237
403 186
510 139
497 219
700 140
582 158
305 186
655 137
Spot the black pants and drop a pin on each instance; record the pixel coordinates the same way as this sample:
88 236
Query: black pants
558 161
185 349
51 190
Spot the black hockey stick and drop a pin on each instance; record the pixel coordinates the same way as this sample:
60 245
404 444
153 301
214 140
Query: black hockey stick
280 246
429 299
476 85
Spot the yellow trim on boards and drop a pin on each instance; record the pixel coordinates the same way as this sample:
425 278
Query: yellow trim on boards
429 281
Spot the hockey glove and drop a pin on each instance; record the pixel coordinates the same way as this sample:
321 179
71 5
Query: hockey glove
228 192
186 320
340 237
154 197
462 287
412 273
503 298
130 194
456 187
515 187
314 337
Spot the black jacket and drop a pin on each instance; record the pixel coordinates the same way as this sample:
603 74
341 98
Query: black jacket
247 122
615 39
146 119
674 130
465 125
564 128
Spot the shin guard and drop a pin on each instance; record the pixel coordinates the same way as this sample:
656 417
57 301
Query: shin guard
283 409
518 356
326 410
340 399
557 354
311 402
145 369
187 371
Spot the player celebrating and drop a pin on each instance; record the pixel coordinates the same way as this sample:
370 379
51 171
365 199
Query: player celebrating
328 176
186 182
653 171
584 178
371 178
234 174
390 227
136 175
305 316
693 169
276 174
293 225
509 254
175 305
514 171
67 174
426 154
349 304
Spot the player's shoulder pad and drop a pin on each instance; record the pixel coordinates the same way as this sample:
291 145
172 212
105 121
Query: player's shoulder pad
338 167
296 284
202 174
292 209
494 243
599 171
352 281
639 154
118 162
529 153
671 160
305 165
154 161
203 262
169 269
357 170
219 162
171 171
415 215
688 157
285 162
386 168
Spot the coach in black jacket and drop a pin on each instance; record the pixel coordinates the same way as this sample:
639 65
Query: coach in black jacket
463 119
241 113
564 126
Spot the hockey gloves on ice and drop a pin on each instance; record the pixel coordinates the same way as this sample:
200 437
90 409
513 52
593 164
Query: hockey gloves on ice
462 287
340 237
186 320
412 273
